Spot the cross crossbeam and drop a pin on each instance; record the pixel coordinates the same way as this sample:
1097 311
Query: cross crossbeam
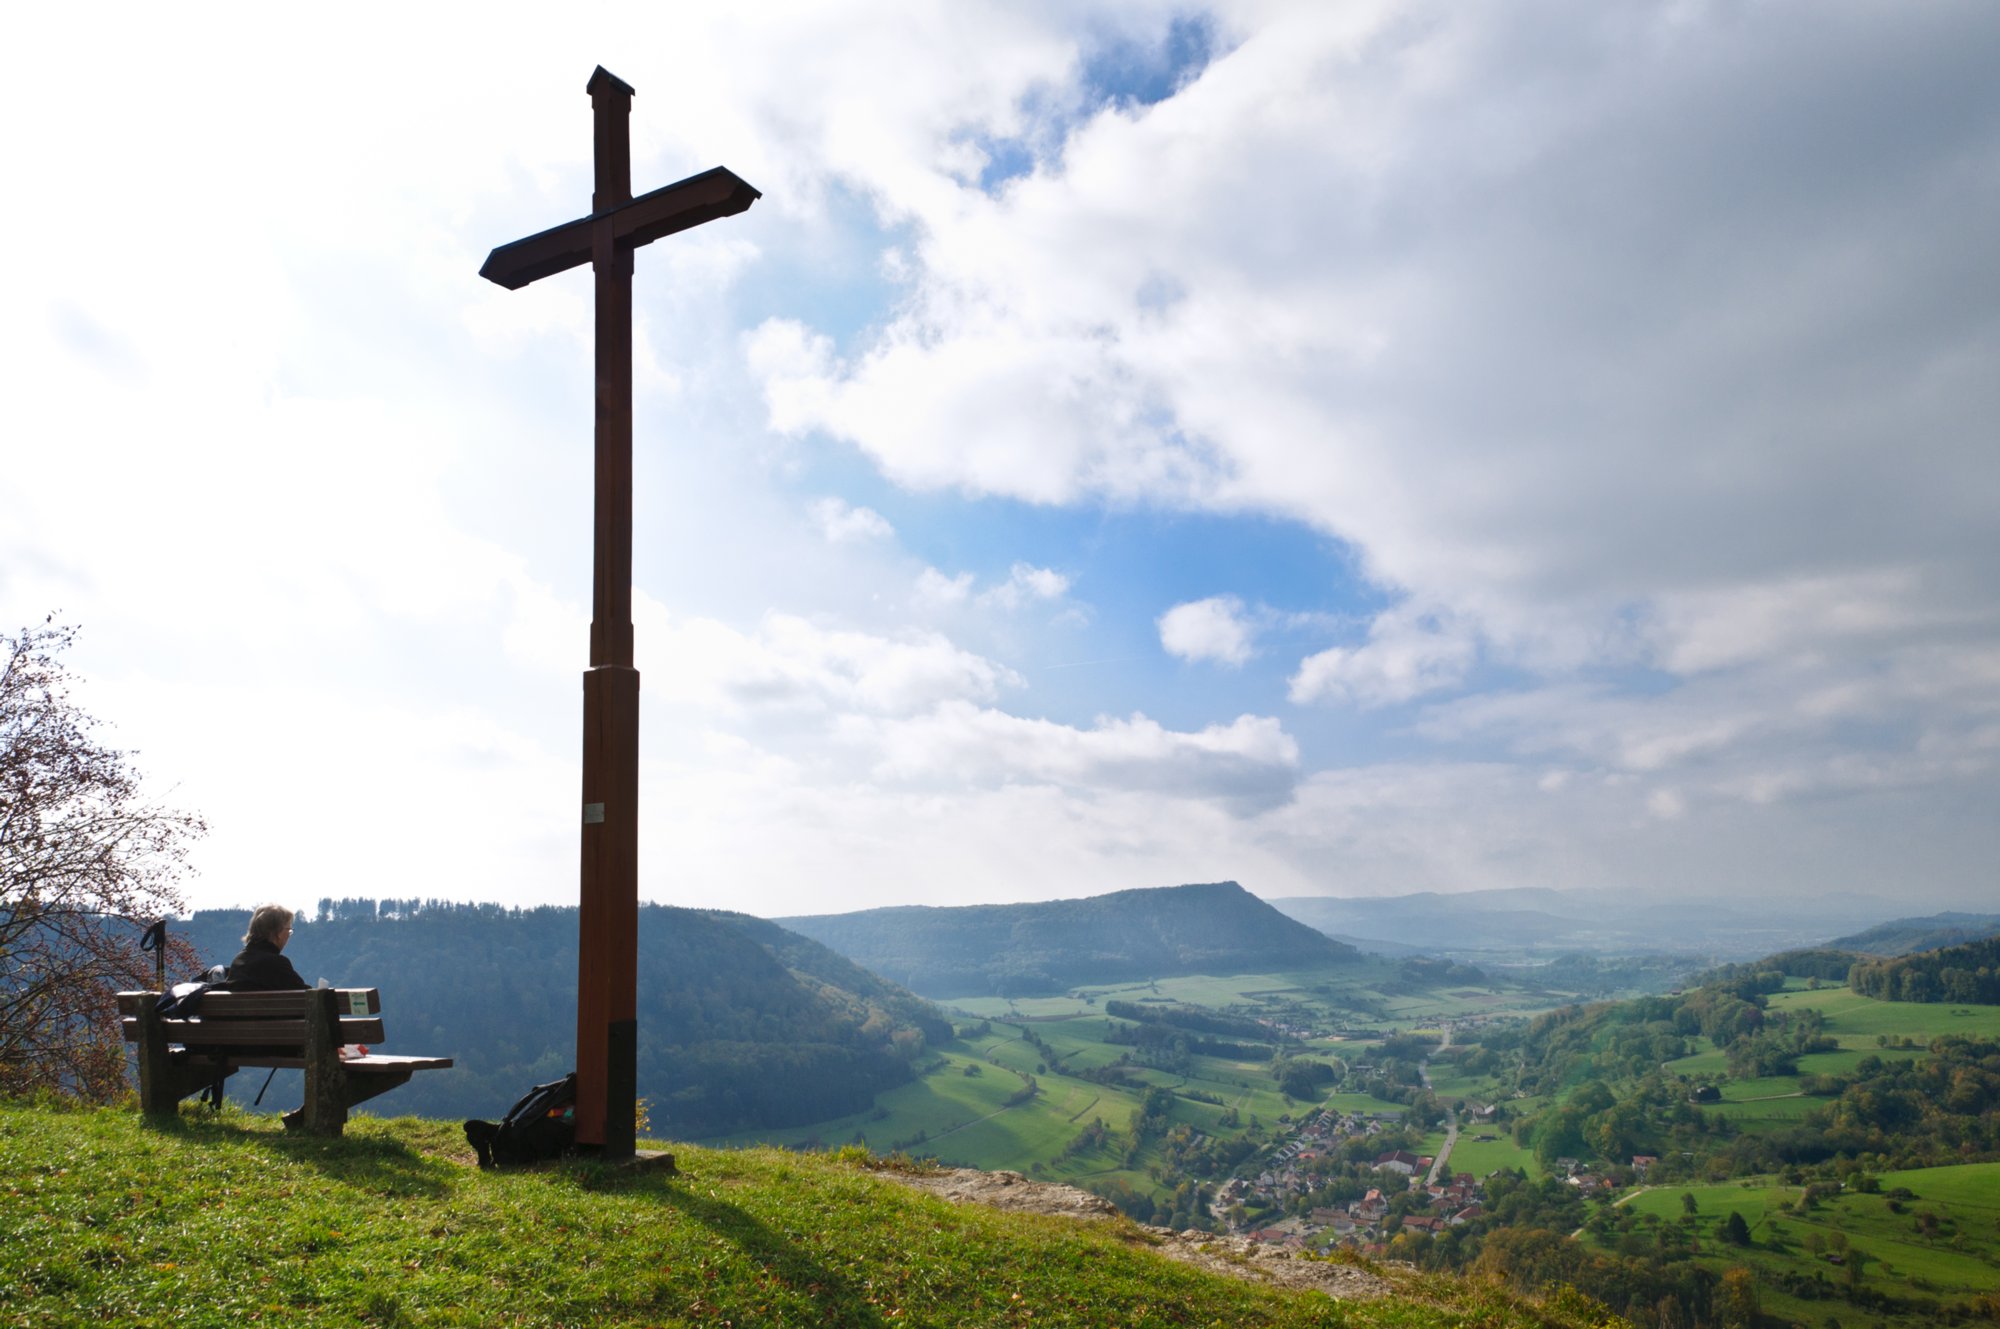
608 899
688 203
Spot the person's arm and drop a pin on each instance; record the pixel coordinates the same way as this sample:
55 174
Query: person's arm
284 976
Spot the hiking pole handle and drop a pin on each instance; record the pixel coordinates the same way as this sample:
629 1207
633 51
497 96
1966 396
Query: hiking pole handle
154 939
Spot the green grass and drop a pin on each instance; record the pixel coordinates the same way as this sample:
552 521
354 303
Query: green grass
1707 1065
1480 1157
1449 1082
1770 1086
1765 1114
1363 1103
229 1221
1852 1016
1961 1261
1971 1186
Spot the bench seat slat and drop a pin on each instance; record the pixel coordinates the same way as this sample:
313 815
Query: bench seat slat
352 1002
384 1061
377 1063
215 1031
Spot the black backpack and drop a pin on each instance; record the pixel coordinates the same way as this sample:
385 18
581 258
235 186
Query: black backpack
539 1127
182 1001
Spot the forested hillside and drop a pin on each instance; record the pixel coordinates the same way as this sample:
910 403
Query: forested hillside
740 1022
1957 973
1021 949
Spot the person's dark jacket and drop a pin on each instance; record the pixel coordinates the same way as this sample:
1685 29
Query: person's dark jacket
262 967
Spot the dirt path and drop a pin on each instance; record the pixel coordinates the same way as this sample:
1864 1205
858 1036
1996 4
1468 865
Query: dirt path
1233 1257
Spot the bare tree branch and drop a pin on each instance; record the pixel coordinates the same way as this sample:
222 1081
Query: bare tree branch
85 863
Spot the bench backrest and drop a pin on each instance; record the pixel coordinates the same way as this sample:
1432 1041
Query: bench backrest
258 1019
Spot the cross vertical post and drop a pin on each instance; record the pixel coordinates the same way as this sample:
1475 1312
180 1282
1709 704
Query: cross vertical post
607 953
608 897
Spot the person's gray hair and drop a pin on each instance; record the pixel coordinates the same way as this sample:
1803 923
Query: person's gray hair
267 922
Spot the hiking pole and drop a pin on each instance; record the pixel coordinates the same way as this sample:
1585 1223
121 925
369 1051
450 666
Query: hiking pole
155 940
267 1084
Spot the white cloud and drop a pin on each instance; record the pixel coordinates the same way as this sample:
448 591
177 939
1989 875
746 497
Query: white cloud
843 524
934 589
1407 654
1787 618
1726 417
1251 763
1026 584
1211 629
788 663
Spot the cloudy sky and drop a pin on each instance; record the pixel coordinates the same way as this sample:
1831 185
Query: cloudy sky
1350 448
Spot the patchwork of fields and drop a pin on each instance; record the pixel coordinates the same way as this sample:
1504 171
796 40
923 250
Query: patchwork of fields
969 1107
1862 1026
1922 1239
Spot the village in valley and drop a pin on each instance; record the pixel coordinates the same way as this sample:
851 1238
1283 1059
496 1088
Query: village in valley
1415 1193
1409 1190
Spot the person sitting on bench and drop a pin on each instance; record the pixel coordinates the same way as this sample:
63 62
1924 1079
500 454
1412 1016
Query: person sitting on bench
261 965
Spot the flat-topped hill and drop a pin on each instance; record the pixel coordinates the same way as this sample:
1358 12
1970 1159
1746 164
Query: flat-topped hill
228 1220
1018 949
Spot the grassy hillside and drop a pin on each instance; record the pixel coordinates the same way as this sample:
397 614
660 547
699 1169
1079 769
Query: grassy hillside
227 1220
1016 949
1910 1244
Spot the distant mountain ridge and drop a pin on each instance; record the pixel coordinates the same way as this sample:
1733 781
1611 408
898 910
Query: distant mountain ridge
1905 936
1020 949
1593 922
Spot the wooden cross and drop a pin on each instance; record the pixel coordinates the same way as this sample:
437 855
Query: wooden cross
608 917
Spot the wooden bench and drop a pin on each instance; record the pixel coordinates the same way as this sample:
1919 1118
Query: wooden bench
296 1030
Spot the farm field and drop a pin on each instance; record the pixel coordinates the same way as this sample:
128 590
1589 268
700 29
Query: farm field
1940 1243
1765 1113
1857 1020
1366 993
1480 1157
1449 1082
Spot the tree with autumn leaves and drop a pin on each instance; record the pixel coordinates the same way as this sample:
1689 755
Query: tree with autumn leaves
86 861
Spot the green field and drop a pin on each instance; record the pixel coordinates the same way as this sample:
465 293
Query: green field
1766 1112
1857 1020
1707 1065
1480 1157
1942 1245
